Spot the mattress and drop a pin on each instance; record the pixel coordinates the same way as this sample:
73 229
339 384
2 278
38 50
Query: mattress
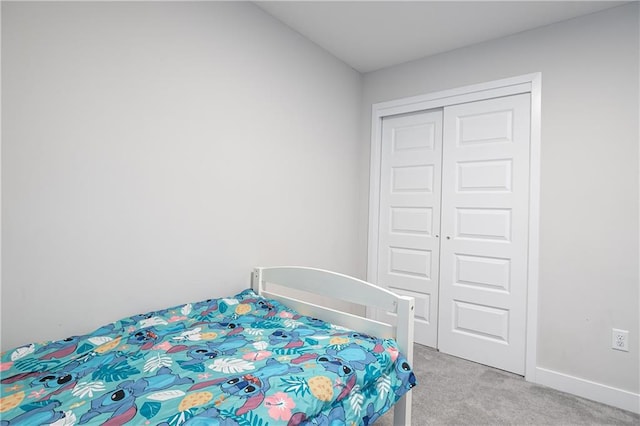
241 360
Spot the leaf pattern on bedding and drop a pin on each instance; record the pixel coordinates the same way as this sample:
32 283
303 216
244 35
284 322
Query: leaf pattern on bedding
156 362
241 360
231 365
87 389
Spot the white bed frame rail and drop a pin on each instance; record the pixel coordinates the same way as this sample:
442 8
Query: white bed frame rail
343 287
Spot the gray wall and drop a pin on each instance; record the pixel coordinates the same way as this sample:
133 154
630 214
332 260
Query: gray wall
153 153
589 177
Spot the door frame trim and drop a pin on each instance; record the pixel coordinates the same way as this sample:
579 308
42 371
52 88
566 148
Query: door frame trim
528 83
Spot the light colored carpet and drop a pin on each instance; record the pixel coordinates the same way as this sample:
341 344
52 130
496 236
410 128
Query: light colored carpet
453 391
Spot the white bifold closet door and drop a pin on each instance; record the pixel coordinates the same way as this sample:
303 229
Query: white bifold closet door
410 214
453 225
485 209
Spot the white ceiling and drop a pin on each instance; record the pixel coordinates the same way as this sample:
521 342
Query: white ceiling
369 35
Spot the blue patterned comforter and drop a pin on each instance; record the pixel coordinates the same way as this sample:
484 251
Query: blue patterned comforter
244 360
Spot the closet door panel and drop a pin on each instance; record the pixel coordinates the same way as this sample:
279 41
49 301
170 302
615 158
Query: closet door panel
409 222
485 193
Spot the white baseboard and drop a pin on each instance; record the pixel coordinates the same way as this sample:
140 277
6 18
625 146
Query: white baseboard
587 389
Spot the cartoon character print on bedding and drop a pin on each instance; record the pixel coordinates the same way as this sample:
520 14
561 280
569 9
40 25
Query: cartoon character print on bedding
41 415
199 354
252 386
335 417
120 403
243 361
66 347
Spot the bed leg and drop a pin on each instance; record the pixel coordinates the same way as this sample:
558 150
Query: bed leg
256 280
402 411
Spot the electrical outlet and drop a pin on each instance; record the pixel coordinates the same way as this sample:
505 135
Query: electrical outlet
620 340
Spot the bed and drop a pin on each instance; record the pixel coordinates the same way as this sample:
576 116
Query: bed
258 358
